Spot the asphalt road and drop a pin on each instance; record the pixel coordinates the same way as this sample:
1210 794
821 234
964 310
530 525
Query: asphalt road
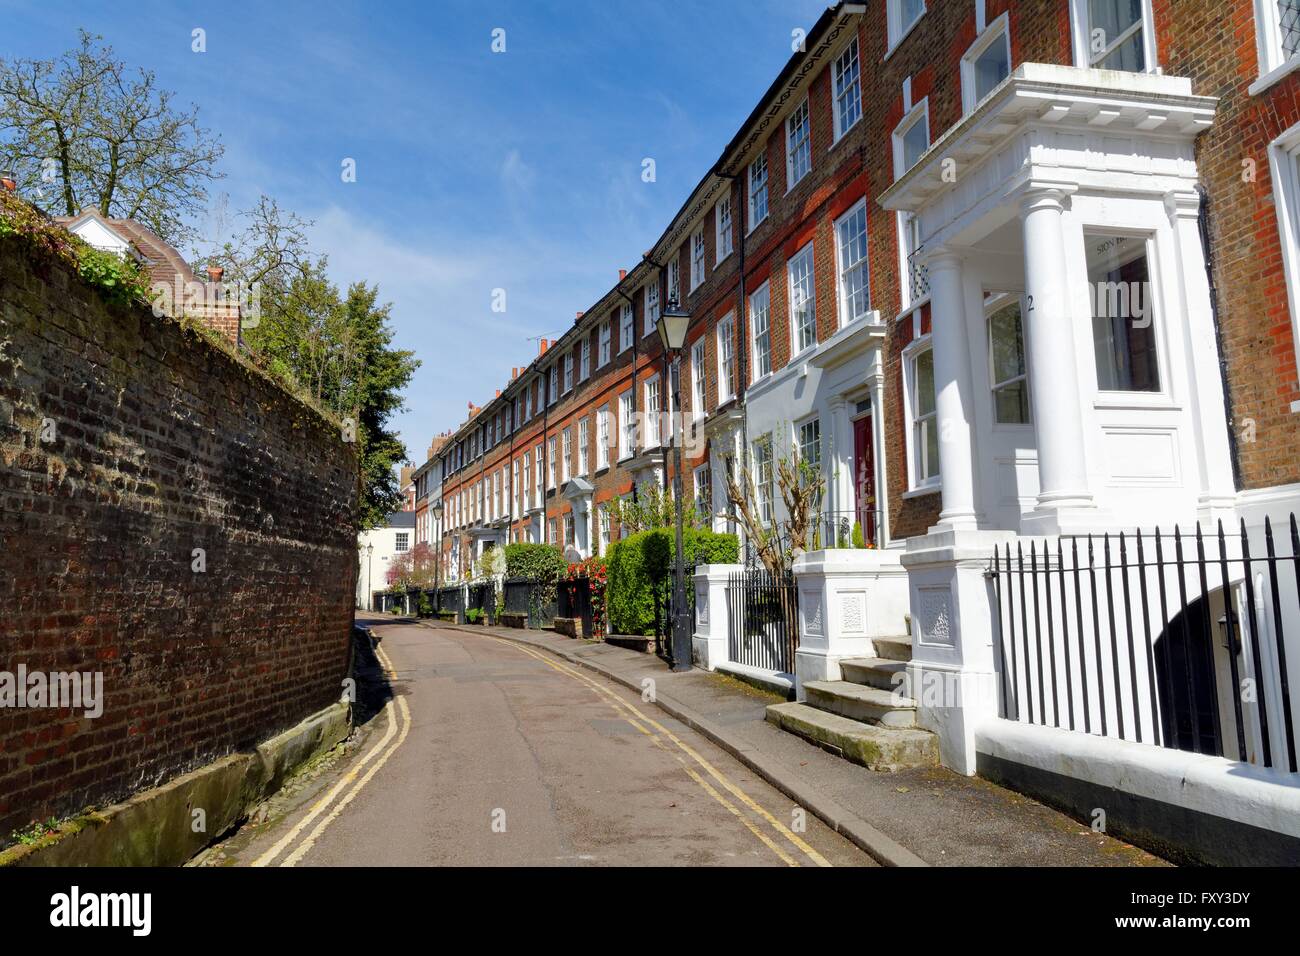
482 752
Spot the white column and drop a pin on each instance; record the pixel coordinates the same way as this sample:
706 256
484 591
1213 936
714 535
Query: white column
878 434
1052 359
839 481
1217 493
953 389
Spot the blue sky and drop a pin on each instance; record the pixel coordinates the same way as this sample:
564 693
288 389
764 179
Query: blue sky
474 170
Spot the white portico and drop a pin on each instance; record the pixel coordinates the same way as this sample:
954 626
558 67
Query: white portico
1058 223
1075 378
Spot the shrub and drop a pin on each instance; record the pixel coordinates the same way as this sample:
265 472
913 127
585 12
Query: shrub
643 562
537 562
474 615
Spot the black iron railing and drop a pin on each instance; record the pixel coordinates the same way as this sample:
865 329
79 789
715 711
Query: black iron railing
452 599
525 596
1174 639
918 276
763 620
846 529
482 597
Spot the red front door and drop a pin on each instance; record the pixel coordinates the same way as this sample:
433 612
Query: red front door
864 483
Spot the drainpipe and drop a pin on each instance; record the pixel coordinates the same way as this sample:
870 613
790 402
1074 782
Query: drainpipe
1203 225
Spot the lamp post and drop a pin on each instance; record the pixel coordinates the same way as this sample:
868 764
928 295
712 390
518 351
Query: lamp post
436 511
672 326
370 594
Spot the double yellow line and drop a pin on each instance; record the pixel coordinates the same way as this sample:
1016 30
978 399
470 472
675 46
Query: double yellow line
690 759
377 756
787 845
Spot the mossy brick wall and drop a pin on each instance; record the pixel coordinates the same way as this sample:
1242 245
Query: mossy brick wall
163 443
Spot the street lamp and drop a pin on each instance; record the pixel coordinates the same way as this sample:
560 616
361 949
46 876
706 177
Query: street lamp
672 325
437 560
370 595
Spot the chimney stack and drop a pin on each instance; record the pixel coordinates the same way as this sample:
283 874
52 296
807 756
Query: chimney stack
8 182
543 345
215 273
579 315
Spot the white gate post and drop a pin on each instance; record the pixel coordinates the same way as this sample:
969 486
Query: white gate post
711 637
953 672
847 597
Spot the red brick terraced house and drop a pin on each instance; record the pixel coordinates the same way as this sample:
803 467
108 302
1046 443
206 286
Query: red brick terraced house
1019 277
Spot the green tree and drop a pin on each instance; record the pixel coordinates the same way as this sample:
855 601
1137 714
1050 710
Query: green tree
339 349
85 130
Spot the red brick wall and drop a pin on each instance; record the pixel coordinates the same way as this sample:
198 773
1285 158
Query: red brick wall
162 444
1214 44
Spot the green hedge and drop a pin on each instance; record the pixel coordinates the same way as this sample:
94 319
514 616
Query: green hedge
537 562
643 561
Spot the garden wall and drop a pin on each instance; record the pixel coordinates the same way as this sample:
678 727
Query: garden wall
174 524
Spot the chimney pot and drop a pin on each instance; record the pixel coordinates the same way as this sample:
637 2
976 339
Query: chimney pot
622 274
579 315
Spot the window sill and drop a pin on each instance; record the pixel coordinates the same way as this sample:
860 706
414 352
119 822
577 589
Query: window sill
722 260
1274 76
912 307
753 227
844 133
922 490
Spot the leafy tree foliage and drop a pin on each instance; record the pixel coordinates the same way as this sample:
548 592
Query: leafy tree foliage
83 129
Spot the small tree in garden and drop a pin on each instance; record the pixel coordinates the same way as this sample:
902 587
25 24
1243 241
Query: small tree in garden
490 564
415 568
801 486
654 507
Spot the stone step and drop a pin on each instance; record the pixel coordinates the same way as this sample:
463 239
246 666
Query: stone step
856 702
873 671
877 748
893 648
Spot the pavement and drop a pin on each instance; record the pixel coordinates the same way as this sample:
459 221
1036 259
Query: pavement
928 816
474 750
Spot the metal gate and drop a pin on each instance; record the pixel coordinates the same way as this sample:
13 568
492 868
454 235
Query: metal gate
574 600
763 619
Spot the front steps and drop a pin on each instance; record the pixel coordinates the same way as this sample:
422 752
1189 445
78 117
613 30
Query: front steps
864 718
